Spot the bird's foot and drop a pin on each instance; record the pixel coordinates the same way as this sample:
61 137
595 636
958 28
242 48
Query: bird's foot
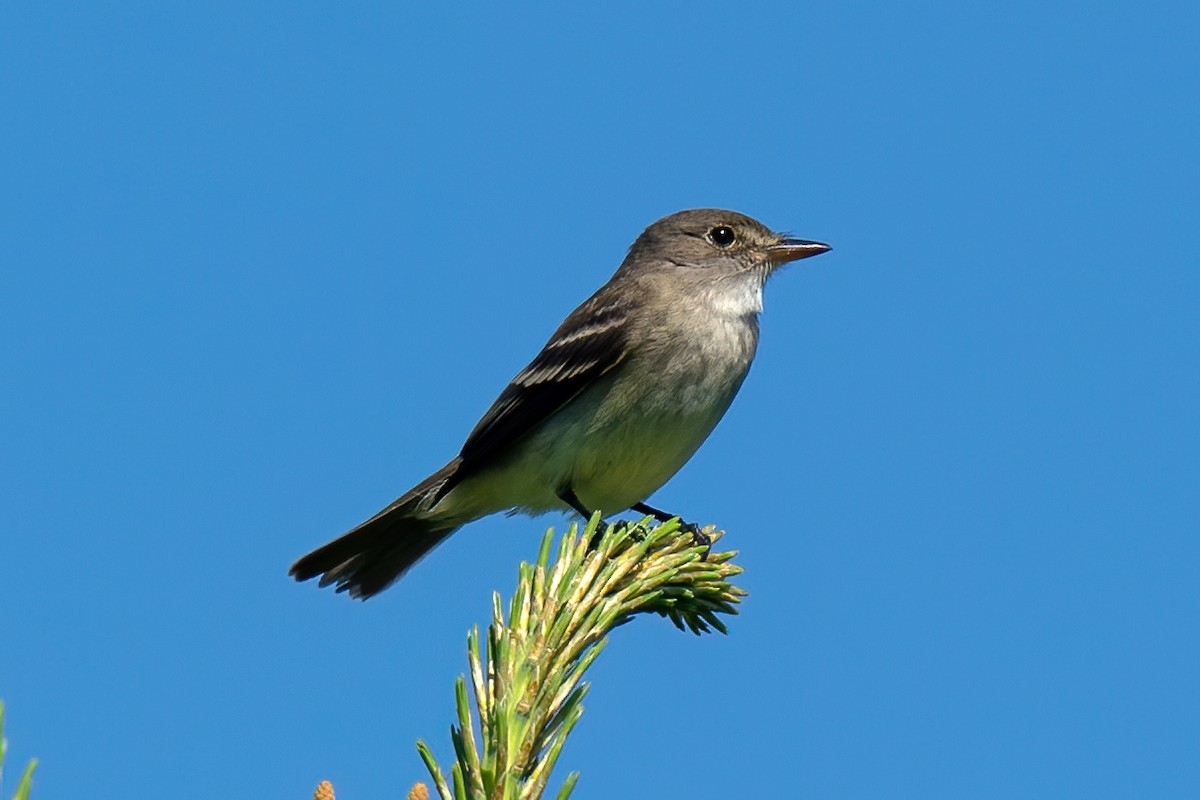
699 537
594 542
634 533
603 528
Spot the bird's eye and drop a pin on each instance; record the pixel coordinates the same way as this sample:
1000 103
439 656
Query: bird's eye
721 236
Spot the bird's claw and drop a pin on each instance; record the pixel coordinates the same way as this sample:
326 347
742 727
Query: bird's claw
594 542
699 538
602 528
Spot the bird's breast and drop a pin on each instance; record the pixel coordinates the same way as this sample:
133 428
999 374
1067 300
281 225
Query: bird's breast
658 411
625 435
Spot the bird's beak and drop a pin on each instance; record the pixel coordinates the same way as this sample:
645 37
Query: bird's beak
786 250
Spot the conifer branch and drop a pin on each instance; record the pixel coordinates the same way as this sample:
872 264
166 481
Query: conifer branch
23 785
527 682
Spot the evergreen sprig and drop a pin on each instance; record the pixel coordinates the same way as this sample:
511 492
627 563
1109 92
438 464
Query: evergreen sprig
529 687
22 792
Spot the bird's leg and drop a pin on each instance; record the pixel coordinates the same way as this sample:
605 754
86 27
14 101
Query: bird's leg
642 508
699 537
568 496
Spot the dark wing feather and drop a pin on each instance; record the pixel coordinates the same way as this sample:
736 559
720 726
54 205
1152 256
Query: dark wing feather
587 345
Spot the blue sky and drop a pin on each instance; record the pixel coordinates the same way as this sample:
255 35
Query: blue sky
263 266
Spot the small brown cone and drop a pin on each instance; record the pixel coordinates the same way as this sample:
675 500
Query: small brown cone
419 792
324 791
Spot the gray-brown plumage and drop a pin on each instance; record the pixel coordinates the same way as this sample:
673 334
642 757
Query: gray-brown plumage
616 402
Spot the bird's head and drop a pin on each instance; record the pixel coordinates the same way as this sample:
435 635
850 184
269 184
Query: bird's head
716 242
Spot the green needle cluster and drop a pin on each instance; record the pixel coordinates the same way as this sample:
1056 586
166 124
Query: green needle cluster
529 688
22 792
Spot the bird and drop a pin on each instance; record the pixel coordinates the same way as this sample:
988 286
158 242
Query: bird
616 402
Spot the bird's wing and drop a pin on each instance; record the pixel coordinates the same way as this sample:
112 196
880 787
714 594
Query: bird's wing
589 343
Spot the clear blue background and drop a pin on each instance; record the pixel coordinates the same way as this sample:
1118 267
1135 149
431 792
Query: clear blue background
262 265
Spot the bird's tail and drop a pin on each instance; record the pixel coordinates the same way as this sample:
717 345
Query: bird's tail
378 552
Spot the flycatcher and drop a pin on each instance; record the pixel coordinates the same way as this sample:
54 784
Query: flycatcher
619 399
